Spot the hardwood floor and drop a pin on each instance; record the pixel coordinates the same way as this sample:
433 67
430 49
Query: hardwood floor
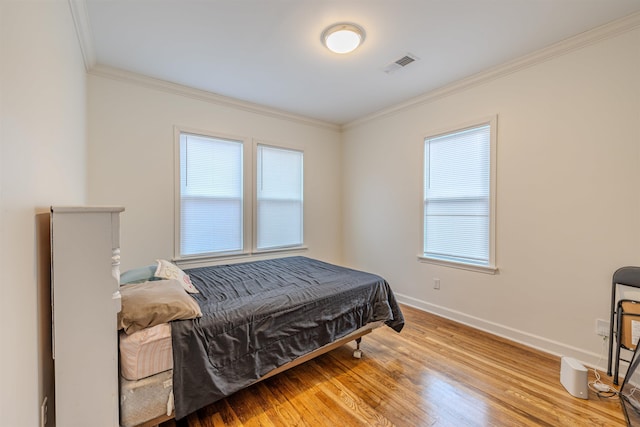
434 373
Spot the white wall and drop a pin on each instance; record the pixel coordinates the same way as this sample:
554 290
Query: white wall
568 197
42 131
131 162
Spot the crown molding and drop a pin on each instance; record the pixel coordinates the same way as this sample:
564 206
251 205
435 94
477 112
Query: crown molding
81 21
83 31
203 95
590 37
587 38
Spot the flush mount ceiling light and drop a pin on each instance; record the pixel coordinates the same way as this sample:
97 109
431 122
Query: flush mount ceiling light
343 37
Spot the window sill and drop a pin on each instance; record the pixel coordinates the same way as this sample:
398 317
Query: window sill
284 249
199 259
204 259
459 265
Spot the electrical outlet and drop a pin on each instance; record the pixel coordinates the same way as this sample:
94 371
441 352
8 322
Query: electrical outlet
602 327
44 409
436 283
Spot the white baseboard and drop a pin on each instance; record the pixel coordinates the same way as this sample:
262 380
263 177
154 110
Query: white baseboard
588 358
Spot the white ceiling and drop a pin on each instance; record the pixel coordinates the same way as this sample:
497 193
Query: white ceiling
269 52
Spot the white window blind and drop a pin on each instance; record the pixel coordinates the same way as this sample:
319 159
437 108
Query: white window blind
457 196
211 188
279 190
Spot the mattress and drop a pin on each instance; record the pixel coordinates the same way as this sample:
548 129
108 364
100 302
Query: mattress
146 352
151 398
145 399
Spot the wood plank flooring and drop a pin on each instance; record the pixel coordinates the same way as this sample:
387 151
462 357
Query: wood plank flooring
434 373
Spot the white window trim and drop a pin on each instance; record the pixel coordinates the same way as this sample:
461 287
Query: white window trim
247 194
249 227
492 268
254 217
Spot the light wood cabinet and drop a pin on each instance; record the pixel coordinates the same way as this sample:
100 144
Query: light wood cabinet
85 260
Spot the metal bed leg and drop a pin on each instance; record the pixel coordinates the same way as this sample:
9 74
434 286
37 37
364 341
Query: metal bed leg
357 353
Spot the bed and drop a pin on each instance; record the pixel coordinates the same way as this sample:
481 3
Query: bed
257 319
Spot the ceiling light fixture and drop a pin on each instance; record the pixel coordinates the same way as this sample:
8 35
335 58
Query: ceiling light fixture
343 37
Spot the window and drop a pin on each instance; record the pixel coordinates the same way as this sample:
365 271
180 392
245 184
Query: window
279 198
211 195
215 213
459 182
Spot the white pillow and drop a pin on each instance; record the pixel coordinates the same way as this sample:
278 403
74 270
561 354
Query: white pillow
167 270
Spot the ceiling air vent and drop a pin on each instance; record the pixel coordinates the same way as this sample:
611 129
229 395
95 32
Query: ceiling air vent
400 63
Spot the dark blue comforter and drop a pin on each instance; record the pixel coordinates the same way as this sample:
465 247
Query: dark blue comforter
260 315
